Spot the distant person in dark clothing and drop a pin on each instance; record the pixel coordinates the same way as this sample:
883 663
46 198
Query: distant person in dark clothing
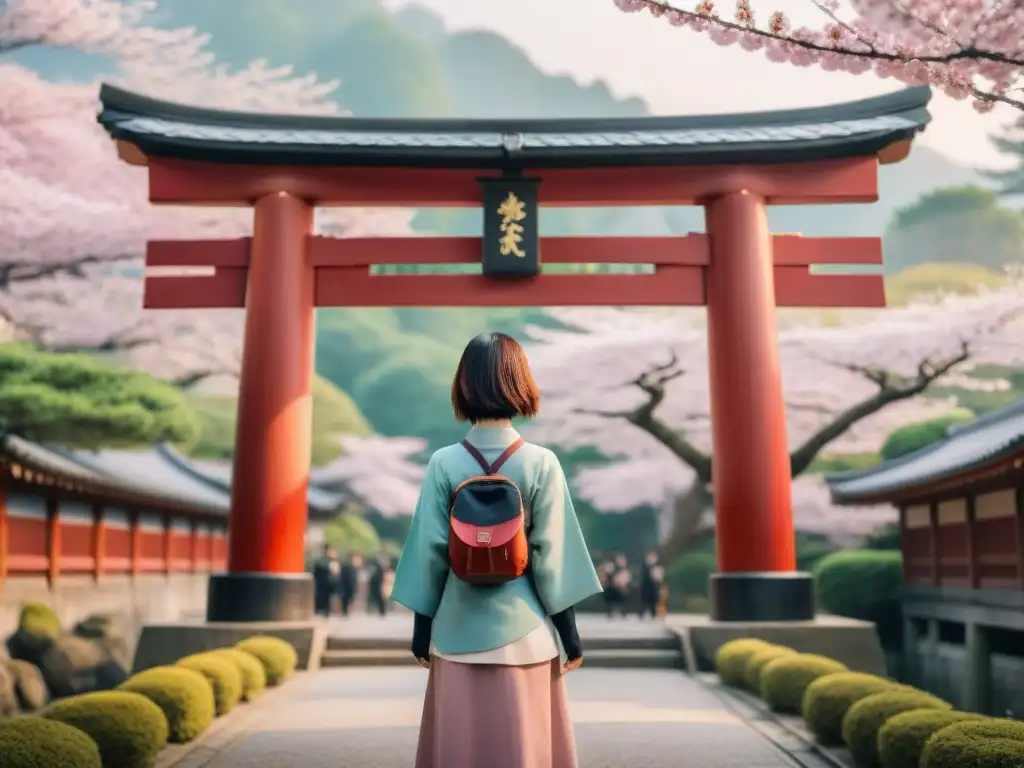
621 585
378 588
348 584
652 577
325 574
604 575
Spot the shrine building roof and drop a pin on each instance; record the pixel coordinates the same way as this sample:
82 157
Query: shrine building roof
989 441
854 129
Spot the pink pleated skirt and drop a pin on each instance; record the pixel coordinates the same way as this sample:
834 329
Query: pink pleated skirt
495 716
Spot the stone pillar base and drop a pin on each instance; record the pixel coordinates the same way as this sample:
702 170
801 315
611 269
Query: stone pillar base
249 597
762 596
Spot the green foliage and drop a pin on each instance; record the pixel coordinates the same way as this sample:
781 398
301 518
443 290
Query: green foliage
785 680
129 729
185 696
731 659
887 537
277 656
224 677
956 225
865 719
254 679
759 660
865 585
829 698
842 462
914 437
334 414
986 744
930 279
81 402
39 620
901 740
350 534
688 575
35 742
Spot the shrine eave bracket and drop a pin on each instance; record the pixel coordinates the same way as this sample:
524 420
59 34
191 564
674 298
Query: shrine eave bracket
854 129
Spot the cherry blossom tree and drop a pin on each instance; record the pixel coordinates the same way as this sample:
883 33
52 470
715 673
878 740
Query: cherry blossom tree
74 219
380 472
634 385
968 48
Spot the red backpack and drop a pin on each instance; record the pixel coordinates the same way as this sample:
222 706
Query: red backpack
487 538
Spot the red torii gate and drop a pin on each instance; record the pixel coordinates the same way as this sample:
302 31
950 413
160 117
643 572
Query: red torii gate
732 165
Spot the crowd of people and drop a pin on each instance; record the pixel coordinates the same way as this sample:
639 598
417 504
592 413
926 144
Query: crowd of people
625 594
338 581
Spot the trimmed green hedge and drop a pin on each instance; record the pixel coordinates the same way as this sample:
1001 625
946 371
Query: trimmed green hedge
759 660
901 740
784 680
732 657
254 679
35 742
128 728
829 698
277 656
865 719
986 744
223 675
185 696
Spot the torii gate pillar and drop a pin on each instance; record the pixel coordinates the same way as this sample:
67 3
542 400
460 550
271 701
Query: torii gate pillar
750 471
266 578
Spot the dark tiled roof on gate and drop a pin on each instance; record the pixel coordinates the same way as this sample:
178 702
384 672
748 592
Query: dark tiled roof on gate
975 445
165 129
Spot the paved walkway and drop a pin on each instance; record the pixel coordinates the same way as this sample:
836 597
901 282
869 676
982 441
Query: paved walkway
368 718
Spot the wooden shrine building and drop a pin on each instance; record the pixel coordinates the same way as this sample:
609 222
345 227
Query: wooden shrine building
733 166
961 504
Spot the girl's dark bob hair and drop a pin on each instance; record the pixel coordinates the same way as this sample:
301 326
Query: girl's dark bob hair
493 381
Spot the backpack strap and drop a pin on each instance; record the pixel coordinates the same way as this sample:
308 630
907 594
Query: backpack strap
490 469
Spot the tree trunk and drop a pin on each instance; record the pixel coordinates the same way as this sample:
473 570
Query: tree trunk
688 512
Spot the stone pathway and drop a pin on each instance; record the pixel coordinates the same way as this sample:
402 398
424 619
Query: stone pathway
368 718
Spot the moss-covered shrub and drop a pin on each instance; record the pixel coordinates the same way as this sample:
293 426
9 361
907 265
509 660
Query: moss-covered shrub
39 619
29 685
784 680
277 656
185 696
128 728
254 679
38 625
35 742
901 740
757 662
985 744
223 675
732 657
865 719
827 700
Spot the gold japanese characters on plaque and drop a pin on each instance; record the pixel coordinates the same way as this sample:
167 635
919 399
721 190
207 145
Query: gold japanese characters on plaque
511 242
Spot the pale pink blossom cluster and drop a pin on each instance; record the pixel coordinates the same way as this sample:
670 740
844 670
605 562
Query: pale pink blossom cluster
967 48
74 219
586 376
380 472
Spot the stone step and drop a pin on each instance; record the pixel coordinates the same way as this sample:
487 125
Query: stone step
616 658
666 642
367 657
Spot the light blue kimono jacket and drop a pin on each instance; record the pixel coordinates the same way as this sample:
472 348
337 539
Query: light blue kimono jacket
470 619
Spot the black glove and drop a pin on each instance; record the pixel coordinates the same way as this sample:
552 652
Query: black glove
421 636
565 624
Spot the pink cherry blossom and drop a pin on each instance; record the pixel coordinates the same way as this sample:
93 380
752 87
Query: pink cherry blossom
965 48
587 375
74 219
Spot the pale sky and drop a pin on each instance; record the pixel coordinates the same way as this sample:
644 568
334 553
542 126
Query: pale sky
677 71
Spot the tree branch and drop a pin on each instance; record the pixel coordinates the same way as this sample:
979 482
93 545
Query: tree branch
23 272
891 389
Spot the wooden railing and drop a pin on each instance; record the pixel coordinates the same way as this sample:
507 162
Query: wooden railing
53 532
